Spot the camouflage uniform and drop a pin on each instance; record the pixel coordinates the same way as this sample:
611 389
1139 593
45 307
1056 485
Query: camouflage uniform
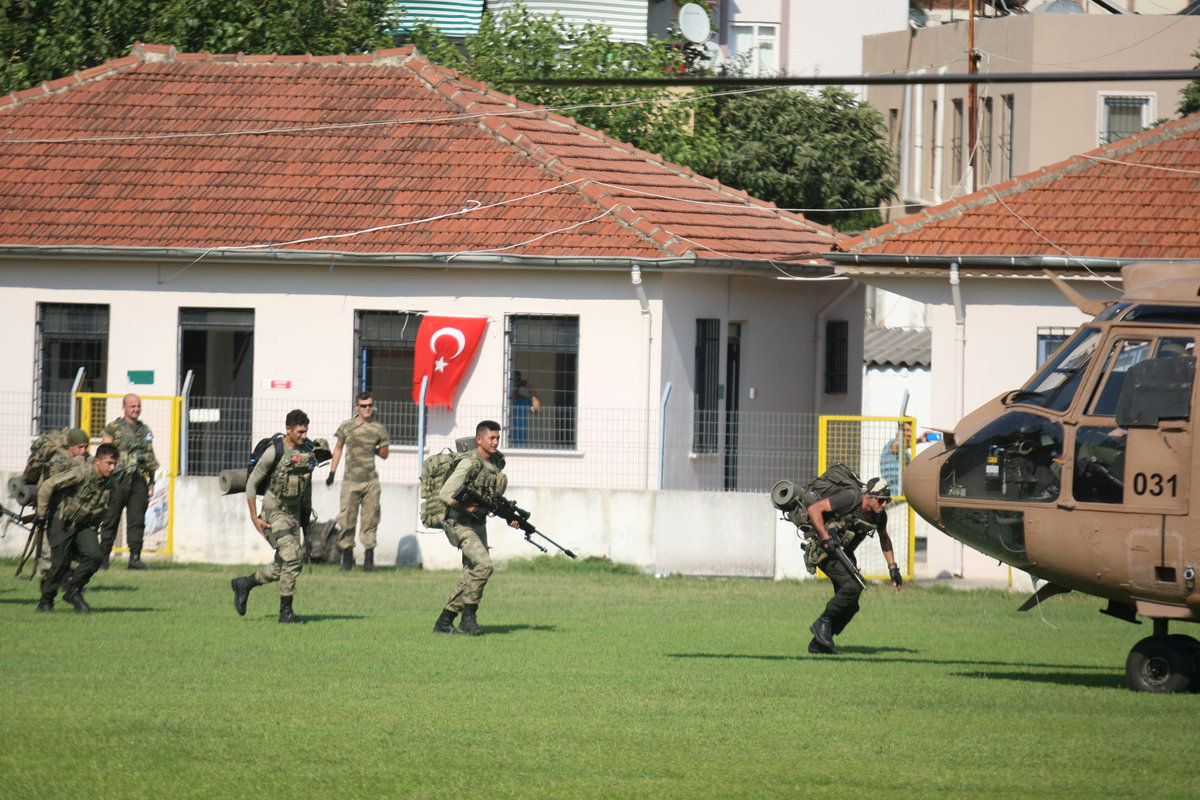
75 501
136 465
59 462
360 481
287 499
464 531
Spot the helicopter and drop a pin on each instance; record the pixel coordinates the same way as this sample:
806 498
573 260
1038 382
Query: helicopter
1082 477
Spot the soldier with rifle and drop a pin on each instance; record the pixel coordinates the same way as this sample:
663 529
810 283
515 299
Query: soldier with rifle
837 514
481 469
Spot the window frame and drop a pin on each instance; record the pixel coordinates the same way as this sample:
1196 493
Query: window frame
395 408
1107 100
75 331
557 425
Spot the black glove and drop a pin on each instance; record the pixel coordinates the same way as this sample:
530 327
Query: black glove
329 480
833 542
39 523
894 573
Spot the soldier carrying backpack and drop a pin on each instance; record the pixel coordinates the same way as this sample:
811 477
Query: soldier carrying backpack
479 467
837 512
286 472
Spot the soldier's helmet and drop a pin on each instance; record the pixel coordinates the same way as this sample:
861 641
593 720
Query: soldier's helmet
878 488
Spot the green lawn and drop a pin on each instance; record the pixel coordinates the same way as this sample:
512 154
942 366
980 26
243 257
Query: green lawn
591 682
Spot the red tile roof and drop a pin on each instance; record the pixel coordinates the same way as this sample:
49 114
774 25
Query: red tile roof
1136 198
375 154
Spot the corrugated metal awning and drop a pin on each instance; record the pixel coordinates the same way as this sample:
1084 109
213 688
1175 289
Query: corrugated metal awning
897 347
451 17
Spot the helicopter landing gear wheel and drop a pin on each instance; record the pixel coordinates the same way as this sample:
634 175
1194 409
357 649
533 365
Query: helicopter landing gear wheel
1161 664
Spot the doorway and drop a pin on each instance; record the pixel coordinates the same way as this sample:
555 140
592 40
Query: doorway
217 345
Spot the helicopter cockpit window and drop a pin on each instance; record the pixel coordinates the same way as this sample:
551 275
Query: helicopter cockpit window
1123 355
1016 458
1055 384
1099 464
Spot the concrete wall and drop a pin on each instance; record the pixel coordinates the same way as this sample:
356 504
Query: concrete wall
689 533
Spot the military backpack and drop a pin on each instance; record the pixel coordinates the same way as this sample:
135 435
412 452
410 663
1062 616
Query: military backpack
256 455
435 470
41 451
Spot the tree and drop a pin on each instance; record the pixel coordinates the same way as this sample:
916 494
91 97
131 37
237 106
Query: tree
516 45
797 150
1191 94
46 39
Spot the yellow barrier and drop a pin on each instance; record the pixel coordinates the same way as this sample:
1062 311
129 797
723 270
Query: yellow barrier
865 444
95 410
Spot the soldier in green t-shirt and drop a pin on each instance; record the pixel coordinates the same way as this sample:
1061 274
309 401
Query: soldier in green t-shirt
361 439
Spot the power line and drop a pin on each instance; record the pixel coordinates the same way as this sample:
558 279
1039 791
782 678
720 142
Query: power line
886 80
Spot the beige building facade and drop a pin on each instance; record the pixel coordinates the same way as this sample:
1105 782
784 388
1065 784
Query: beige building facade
1020 126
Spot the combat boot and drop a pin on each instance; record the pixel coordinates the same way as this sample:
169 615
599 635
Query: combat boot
369 559
822 631
241 593
135 560
285 611
75 597
46 604
818 649
347 560
468 623
445 623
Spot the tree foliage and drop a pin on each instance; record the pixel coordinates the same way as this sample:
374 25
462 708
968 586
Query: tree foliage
46 39
797 150
1191 94
516 45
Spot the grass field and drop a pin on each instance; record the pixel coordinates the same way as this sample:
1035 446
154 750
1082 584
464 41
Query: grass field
592 682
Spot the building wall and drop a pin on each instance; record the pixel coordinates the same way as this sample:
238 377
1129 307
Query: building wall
1050 121
304 333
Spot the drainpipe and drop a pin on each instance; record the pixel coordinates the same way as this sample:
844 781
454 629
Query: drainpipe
960 362
635 277
819 344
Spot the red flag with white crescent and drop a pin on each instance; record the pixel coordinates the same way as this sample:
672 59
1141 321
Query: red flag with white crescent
445 348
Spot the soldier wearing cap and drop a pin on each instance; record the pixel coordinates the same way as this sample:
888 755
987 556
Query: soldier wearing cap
74 453
853 514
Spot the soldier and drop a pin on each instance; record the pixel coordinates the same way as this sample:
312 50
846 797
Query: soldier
362 440
131 488
287 500
70 505
62 460
481 470
851 514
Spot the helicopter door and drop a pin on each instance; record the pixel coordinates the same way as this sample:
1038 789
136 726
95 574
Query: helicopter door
1133 447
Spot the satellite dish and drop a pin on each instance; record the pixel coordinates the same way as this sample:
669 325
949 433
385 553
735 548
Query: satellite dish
694 23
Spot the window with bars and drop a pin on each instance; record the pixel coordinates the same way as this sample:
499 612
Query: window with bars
384 356
1122 116
541 401
837 356
68 336
706 409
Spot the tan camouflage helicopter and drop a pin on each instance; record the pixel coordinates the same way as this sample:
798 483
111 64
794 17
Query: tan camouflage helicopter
1083 476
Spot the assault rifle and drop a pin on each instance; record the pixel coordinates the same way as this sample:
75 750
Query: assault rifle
33 544
500 506
834 547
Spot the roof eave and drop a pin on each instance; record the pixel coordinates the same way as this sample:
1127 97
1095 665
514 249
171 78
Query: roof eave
188 256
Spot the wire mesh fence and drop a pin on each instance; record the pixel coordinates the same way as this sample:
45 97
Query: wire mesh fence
605 448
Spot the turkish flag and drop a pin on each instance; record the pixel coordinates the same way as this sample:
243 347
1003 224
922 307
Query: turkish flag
445 348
